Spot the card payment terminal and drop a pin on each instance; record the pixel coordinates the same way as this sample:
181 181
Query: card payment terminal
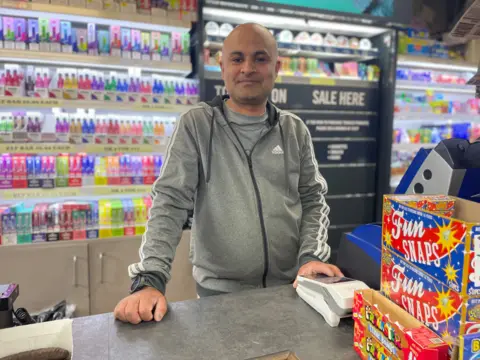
332 297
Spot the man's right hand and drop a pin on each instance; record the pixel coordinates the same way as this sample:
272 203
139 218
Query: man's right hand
144 305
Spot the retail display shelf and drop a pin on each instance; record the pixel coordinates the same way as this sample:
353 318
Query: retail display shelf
29 102
420 62
412 147
419 86
55 148
77 14
432 117
319 52
99 62
212 72
70 192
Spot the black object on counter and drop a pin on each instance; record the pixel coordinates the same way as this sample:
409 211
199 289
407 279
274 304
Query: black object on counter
8 294
24 317
359 254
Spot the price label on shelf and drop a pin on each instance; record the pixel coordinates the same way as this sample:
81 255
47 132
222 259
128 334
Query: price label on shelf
94 148
17 194
35 148
322 81
29 102
15 4
109 190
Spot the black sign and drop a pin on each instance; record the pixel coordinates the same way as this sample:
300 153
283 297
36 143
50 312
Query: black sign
343 124
350 179
345 152
301 96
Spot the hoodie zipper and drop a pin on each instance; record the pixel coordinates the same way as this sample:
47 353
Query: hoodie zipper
259 202
262 220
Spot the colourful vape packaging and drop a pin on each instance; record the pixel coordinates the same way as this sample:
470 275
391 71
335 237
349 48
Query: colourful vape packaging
33 35
80 43
66 36
24 224
19 169
103 38
176 46
1 33
129 217
126 43
54 26
6 172
62 171
20 26
105 218
75 171
100 170
136 44
116 40
9 227
155 45
33 180
117 218
92 39
186 47
145 46
165 44
44 32
8 32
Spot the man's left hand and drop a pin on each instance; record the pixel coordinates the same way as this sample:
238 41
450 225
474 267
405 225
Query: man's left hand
317 267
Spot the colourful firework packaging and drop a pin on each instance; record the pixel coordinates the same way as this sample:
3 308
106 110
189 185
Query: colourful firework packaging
428 265
429 301
442 247
384 331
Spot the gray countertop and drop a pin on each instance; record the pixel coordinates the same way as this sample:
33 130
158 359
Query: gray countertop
236 326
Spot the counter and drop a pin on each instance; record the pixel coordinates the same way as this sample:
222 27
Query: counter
236 326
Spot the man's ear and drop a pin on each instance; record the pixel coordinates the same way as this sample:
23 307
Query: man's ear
277 67
222 69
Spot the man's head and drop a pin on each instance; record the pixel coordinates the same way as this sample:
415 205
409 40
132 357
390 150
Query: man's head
249 64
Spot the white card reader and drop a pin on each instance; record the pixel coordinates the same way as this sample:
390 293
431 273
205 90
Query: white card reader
332 297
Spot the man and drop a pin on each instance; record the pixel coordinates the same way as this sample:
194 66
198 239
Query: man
249 172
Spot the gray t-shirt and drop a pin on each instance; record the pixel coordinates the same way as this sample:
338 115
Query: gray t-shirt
249 129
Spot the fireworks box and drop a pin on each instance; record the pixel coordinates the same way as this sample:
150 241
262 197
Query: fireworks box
443 310
429 268
383 330
442 247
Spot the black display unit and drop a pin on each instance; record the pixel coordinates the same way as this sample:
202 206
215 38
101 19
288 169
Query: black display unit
350 120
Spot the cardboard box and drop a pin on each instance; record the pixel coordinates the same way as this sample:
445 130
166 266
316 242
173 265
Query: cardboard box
382 328
427 202
442 247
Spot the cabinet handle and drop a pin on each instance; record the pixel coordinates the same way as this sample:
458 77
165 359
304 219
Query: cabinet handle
75 271
100 257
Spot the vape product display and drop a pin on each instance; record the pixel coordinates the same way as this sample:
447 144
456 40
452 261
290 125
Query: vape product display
77 170
87 84
22 223
56 35
84 128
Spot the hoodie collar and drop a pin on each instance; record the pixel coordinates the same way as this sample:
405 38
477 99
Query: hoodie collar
272 111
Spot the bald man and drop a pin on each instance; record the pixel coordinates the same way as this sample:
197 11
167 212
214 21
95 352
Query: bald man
248 171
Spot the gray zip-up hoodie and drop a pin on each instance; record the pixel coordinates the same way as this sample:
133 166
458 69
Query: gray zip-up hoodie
256 218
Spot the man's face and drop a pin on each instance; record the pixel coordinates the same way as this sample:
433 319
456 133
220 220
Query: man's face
249 66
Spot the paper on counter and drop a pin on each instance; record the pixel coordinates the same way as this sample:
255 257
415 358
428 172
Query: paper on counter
37 336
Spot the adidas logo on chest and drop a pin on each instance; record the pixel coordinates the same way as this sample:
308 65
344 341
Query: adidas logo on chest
277 150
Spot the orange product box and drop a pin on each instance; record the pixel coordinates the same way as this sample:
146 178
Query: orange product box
427 202
383 330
